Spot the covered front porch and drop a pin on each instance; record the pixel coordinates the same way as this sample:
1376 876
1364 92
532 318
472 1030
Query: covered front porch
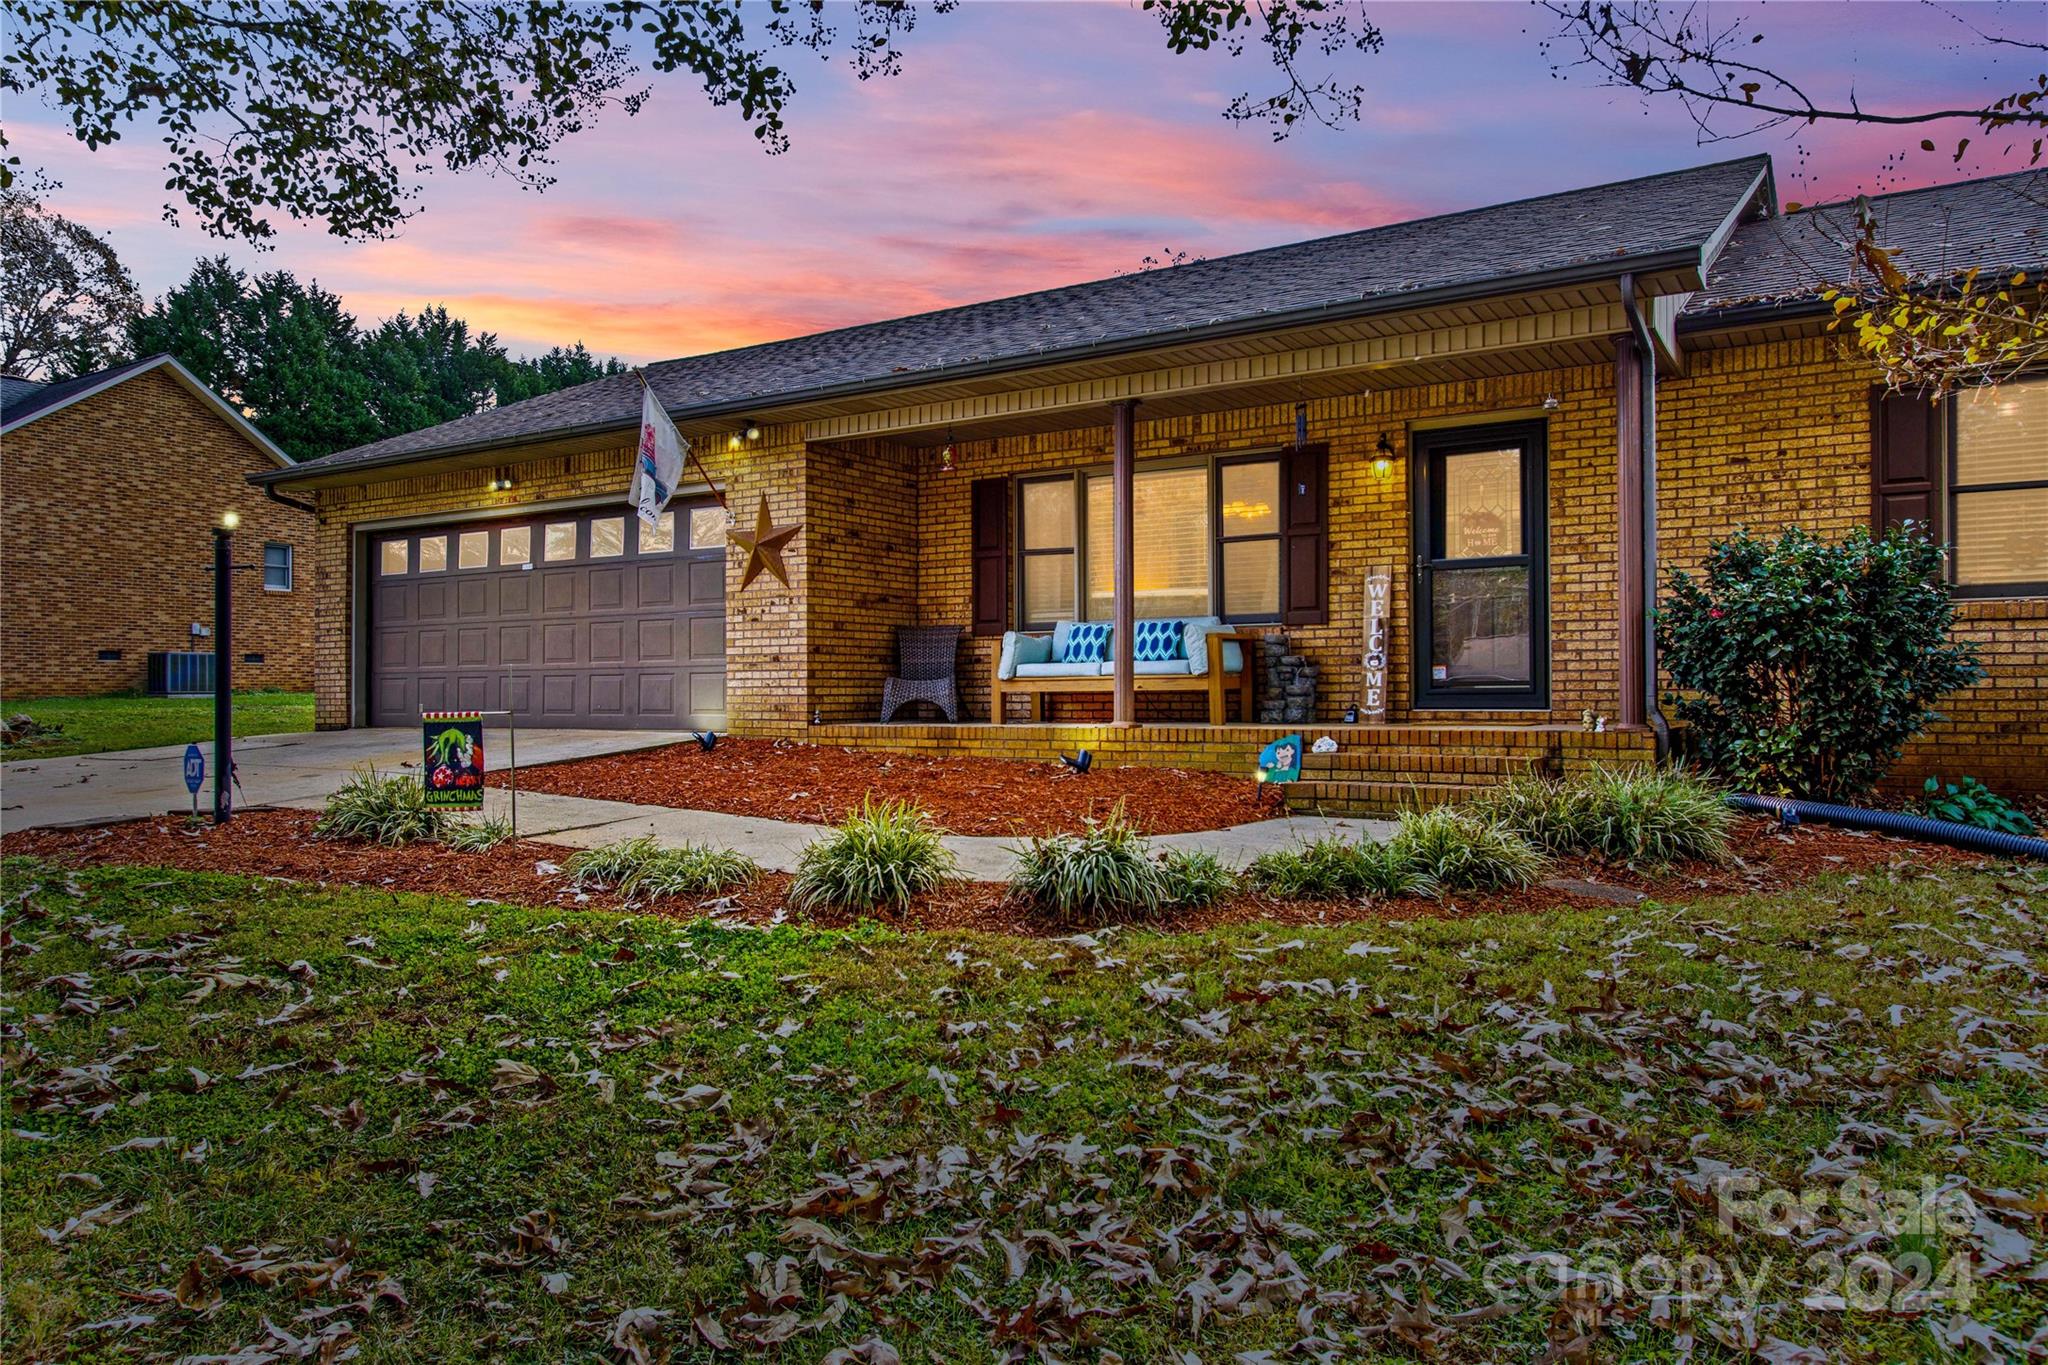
1438 514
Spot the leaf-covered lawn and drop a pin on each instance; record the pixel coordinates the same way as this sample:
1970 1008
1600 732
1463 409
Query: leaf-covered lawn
97 724
256 1121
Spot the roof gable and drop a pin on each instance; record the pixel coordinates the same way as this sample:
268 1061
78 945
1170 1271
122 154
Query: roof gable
51 398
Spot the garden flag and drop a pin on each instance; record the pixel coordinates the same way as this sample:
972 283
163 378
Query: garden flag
659 467
454 772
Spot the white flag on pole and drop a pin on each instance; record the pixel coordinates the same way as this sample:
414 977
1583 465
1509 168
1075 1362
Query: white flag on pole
659 466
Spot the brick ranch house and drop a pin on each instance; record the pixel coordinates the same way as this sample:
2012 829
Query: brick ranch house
1464 409
114 482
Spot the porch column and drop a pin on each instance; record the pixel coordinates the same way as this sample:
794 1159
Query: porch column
1124 711
1628 539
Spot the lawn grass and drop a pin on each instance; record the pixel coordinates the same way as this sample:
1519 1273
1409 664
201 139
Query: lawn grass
97 724
515 1128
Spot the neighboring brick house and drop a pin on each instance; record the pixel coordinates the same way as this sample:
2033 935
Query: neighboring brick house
114 481
1458 403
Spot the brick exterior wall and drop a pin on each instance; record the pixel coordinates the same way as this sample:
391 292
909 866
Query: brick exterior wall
1767 434
110 504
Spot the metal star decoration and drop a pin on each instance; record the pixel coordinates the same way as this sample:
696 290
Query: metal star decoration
764 546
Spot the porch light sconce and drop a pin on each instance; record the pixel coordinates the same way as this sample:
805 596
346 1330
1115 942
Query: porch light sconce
1300 425
946 455
1551 402
1383 458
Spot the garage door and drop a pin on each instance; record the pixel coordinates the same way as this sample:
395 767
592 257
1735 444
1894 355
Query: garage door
576 619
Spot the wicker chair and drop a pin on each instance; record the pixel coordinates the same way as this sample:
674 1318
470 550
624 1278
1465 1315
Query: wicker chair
924 664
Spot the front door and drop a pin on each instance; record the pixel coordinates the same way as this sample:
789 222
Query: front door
1481 565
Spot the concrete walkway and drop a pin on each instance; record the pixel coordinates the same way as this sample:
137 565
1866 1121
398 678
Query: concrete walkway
301 770
276 770
582 822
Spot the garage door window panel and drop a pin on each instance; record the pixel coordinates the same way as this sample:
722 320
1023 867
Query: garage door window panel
473 550
660 538
515 546
559 547
394 557
607 537
433 554
707 528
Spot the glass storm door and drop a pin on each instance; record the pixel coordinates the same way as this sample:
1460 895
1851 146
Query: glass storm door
1482 629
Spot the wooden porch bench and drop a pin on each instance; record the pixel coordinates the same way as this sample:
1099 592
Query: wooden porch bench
1215 682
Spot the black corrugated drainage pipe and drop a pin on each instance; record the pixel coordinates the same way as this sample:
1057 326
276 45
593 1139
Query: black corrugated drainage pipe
1892 822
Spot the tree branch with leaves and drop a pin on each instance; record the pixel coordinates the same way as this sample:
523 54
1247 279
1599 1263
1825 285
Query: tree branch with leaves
1926 328
337 112
66 300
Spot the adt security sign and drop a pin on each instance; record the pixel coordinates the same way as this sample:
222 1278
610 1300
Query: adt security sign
195 773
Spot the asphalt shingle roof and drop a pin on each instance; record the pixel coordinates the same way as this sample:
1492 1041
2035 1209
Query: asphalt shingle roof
21 398
2000 224
1672 212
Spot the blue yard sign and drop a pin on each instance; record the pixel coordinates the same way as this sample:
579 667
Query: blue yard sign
1279 761
195 774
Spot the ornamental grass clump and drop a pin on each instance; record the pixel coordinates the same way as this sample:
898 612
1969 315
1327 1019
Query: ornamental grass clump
477 836
1333 868
641 869
1100 876
607 866
692 870
1463 851
882 856
1640 816
1191 878
372 808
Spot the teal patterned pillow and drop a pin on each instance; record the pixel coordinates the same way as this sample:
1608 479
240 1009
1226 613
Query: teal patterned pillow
1088 643
1159 641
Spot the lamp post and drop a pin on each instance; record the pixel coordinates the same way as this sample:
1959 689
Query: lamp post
223 667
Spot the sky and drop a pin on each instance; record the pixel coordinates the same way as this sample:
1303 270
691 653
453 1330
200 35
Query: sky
1029 145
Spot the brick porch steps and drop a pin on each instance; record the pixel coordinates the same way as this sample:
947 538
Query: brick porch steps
1382 779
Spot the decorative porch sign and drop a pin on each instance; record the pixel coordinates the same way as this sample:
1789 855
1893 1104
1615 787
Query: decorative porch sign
1379 595
454 771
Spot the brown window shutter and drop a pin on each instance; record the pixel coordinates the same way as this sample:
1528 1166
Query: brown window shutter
1905 461
1305 536
990 501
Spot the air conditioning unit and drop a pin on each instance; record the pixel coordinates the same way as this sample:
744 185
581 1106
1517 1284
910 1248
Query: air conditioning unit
180 673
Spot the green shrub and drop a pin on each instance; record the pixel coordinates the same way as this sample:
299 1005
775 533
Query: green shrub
1192 877
1100 876
1806 665
1459 850
641 869
692 870
372 808
1640 815
1973 803
1333 868
477 836
882 856
607 866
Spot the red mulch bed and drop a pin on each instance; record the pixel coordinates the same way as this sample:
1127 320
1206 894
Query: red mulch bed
820 784
279 843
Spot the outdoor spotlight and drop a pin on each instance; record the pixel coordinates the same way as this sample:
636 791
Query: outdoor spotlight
752 429
707 740
230 519
1551 402
1080 762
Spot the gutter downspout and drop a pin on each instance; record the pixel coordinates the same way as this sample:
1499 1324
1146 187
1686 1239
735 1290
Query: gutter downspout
270 491
1646 344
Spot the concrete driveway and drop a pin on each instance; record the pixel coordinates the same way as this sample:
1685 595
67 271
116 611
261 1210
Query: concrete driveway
276 770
